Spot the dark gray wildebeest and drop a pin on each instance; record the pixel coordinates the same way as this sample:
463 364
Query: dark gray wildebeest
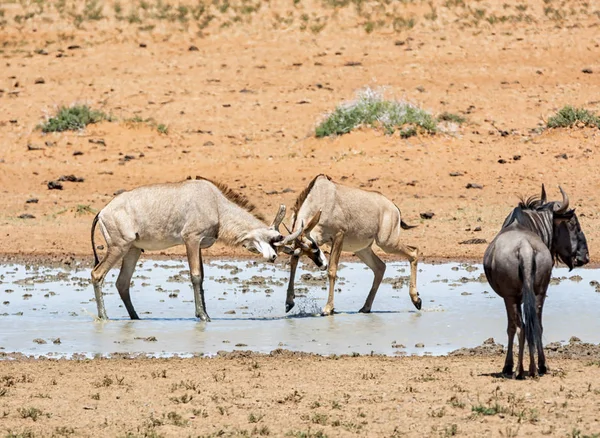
348 219
195 213
518 264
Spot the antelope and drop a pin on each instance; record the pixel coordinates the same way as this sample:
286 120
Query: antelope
347 219
195 213
518 265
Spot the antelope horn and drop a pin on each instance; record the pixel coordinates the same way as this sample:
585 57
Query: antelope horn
291 237
561 207
278 218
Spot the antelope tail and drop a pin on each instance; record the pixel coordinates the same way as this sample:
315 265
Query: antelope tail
405 226
96 260
531 325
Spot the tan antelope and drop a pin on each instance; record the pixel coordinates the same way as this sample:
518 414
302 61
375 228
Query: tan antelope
194 213
348 219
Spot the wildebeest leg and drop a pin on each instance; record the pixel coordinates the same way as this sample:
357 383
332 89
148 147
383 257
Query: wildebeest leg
521 337
412 254
113 254
334 258
378 267
192 247
124 279
289 300
512 317
539 301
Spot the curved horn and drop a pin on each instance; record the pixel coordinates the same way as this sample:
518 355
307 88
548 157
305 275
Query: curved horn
291 237
543 198
313 222
561 207
278 218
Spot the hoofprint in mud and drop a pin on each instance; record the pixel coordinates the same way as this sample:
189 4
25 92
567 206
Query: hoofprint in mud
518 265
194 213
349 219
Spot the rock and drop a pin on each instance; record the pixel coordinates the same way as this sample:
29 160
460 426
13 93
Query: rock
26 216
193 49
54 185
39 341
288 190
76 153
477 229
587 70
419 345
208 143
74 47
143 45
474 186
574 339
230 312
32 201
516 157
56 341
352 64
502 161
427 215
489 341
40 81
32 147
70 178
456 174
563 156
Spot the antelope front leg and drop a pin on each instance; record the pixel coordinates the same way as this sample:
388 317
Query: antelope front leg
334 258
197 276
289 300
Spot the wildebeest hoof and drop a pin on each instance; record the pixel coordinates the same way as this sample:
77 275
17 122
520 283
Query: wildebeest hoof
542 370
364 310
418 303
507 372
289 306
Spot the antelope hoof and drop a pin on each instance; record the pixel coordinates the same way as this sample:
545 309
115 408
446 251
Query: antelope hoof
327 311
204 317
418 303
365 310
103 316
289 306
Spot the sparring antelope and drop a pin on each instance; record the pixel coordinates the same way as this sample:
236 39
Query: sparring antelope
518 265
347 219
195 213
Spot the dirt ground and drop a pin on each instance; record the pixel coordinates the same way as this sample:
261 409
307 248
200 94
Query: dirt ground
232 91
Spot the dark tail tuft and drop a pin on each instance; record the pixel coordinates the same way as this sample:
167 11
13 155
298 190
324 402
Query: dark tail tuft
96 260
405 226
533 330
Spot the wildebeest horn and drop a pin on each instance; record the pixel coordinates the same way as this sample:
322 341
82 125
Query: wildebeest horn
291 237
543 198
278 218
561 207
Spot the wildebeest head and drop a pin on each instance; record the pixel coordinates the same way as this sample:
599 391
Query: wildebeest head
569 242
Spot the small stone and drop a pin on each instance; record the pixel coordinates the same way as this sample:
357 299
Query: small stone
73 47
32 147
54 185
39 341
587 70
26 216
477 229
208 143
77 153
143 45
516 157
563 156
32 201
474 186
502 161
56 341
40 81
574 339
489 341
427 215
230 312
456 174
420 345
288 190
193 49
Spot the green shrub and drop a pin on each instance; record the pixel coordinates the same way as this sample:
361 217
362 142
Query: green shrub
73 118
371 109
568 116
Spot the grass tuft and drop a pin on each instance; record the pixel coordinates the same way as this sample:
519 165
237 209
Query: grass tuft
73 118
569 116
371 109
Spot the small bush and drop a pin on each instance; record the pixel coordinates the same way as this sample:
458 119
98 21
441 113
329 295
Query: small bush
73 119
371 109
568 116
450 117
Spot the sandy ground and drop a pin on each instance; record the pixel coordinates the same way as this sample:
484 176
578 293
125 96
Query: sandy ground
296 395
237 89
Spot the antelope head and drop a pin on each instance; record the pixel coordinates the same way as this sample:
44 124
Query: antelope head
267 241
304 244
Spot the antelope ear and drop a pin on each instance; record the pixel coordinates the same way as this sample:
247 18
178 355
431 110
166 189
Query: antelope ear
313 222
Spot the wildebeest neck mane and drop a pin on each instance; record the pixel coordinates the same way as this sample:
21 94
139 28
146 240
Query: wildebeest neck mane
534 216
235 197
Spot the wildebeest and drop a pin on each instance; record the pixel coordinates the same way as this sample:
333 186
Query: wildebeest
518 265
194 213
348 219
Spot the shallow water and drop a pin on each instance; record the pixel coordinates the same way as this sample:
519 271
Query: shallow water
51 312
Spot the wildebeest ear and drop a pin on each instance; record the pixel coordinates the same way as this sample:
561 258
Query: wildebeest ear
543 196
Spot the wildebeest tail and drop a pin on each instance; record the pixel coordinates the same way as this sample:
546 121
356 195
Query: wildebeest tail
533 329
96 260
405 226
